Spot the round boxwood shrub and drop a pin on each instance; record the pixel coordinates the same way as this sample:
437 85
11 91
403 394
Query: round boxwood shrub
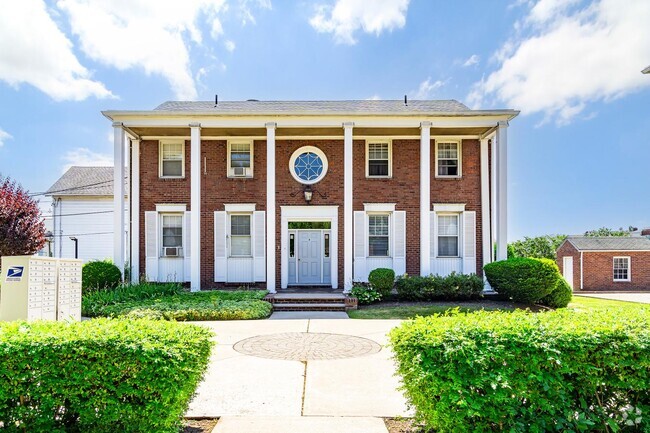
523 279
382 280
100 275
560 296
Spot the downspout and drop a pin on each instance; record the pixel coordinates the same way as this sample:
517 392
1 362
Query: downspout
581 285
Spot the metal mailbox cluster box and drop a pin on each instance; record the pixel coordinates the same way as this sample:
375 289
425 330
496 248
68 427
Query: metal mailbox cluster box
40 288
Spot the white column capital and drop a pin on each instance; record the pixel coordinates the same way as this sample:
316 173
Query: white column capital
426 124
502 124
118 124
271 125
195 125
348 125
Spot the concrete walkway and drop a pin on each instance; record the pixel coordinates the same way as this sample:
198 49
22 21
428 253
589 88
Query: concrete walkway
643 298
252 393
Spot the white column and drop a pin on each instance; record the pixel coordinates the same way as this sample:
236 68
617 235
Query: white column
195 206
347 206
485 207
270 207
502 191
119 243
425 197
135 211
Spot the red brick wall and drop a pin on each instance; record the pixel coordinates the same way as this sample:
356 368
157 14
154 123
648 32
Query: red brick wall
565 250
466 189
599 273
403 189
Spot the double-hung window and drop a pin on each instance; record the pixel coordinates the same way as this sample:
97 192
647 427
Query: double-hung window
621 269
171 159
240 159
378 160
378 235
448 239
448 158
172 235
240 235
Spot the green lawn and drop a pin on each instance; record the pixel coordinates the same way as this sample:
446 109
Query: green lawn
409 311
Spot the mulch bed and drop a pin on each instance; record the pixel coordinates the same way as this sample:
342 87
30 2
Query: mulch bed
199 425
403 425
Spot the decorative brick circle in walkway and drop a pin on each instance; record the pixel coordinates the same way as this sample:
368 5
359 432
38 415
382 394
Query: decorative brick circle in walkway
306 346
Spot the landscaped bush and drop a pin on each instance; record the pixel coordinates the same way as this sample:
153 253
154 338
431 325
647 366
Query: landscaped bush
524 372
435 287
100 275
382 280
208 305
560 296
366 294
100 375
523 279
92 302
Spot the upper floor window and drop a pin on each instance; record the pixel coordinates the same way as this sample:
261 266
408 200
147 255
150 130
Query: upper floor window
448 158
621 269
172 155
240 235
240 159
378 235
448 235
378 159
172 235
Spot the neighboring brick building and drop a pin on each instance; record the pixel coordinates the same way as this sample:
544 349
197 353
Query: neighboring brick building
605 263
417 187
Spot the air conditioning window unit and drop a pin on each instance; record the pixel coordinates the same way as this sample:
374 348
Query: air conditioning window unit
240 171
171 251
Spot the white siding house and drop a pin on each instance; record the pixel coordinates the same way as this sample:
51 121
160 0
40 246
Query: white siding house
82 208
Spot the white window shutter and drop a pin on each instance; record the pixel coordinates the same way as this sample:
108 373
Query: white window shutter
152 252
220 253
187 245
433 242
259 246
469 242
399 242
360 241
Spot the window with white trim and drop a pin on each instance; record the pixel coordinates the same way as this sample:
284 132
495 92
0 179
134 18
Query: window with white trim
240 159
172 156
240 235
448 238
378 235
378 159
621 269
448 158
172 235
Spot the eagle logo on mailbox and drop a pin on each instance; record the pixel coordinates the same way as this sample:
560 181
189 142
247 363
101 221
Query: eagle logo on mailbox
15 273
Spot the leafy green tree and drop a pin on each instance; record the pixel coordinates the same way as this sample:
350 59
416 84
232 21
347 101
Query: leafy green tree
541 247
604 231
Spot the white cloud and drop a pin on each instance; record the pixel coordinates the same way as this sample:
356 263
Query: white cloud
4 135
85 157
427 88
33 50
567 54
245 9
230 45
346 17
473 60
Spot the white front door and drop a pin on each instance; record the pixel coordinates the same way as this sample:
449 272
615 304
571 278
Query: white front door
567 271
310 259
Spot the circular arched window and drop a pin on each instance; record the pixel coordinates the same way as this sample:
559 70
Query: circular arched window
308 165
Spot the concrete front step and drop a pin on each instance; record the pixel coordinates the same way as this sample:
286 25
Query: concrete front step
312 306
299 424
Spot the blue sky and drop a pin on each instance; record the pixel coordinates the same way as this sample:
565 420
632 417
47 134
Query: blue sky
579 151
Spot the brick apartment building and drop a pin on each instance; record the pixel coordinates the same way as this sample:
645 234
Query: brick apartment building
300 193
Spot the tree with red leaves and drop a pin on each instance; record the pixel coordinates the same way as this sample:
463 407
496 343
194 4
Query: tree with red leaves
22 230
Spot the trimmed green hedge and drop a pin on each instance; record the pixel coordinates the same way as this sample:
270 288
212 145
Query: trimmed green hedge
100 375
435 287
100 275
382 280
184 306
523 279
560 296
525 372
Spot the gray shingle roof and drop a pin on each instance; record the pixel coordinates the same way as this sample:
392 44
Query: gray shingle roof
317 107
585 243
84 181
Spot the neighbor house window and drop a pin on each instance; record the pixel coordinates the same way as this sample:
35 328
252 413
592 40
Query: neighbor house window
378 238
240 235
621 269
240 159
171 159
172 235
378 159
448 235
448 158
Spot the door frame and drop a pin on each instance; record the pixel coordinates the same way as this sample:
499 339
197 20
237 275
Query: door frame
321 235
309 213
